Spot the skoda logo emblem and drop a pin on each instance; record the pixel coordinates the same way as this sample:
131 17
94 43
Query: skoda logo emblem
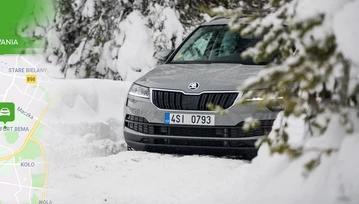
193 86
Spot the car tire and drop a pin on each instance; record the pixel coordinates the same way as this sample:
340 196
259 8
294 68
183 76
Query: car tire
129 148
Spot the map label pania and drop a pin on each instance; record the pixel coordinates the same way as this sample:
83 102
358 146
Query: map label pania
8 42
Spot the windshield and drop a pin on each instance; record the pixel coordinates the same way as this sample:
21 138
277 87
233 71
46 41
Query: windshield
215 44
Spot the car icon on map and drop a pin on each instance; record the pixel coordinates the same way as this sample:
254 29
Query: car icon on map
4 112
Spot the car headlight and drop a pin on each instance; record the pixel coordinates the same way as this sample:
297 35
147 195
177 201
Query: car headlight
258 96
253 96
139 91
272 100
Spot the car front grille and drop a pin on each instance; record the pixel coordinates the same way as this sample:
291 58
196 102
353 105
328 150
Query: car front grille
181 101
141 125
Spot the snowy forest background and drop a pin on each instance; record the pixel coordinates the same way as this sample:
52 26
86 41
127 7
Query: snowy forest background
116 39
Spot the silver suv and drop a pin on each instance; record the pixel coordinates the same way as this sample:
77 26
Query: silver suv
167 109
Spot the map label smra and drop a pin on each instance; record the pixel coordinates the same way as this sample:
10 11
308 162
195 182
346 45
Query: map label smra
45 202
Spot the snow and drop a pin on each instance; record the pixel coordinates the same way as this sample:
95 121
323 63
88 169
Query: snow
87 121
139 177
346 30
54 43
167 31
89 164
87 100
341 20
106 58
278 179
76 56
77 3
136 52
77 61
173 27
89 8
345 25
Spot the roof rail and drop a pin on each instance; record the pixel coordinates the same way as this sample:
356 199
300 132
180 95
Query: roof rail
221 17
216 18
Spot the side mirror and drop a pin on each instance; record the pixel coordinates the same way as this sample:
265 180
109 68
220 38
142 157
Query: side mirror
163 55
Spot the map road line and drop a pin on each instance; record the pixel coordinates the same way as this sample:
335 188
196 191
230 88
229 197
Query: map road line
46 166
31 131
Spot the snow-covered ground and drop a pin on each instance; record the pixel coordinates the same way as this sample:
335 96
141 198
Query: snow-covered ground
140 177
89 164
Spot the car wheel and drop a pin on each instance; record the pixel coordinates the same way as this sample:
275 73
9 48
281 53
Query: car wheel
129 148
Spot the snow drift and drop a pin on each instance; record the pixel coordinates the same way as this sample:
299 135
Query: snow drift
280 179
87 119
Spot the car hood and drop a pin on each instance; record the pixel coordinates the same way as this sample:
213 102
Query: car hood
211 77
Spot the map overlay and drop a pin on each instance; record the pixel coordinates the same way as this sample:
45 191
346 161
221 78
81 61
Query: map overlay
25 97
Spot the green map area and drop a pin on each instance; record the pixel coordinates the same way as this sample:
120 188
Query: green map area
18 19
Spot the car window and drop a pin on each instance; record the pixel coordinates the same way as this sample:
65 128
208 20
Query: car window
196 51
231 45
196 48
215 44
228 44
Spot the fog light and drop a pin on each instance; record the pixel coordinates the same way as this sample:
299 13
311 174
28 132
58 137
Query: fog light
276 108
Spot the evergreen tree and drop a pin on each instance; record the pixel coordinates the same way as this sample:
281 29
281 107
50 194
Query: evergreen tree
309 77
82 28
192 13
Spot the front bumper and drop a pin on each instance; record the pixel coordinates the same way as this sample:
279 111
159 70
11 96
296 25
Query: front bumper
145 130
190 145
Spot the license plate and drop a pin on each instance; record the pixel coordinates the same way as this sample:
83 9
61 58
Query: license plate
189 119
